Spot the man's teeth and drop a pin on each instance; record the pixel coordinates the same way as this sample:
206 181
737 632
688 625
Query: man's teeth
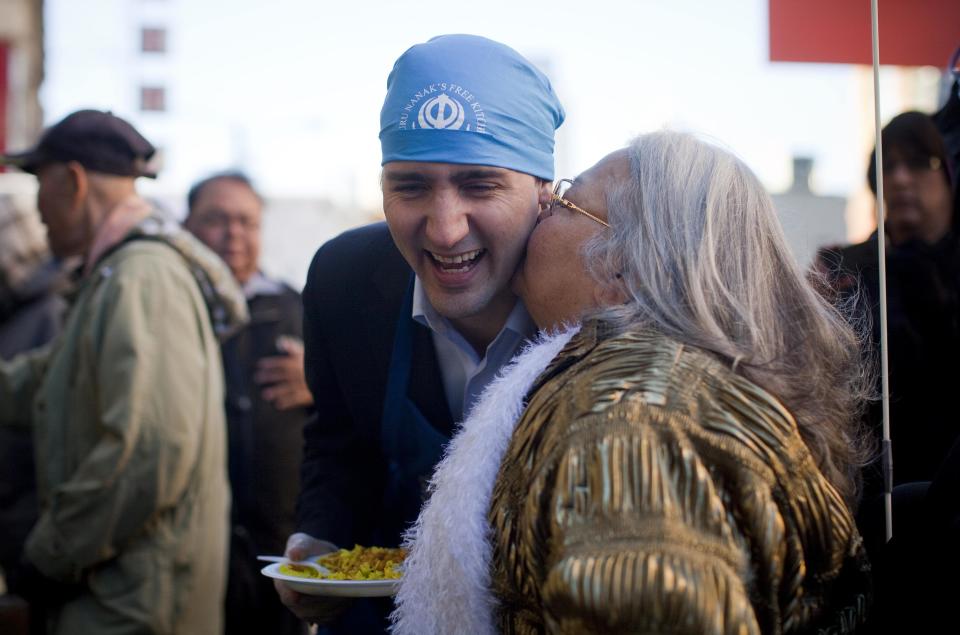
458 259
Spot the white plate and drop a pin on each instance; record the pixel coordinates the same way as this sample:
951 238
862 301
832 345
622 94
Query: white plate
339 588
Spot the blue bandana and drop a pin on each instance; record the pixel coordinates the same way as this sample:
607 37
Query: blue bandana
469 100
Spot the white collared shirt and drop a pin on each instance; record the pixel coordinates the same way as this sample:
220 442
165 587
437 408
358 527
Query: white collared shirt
465 374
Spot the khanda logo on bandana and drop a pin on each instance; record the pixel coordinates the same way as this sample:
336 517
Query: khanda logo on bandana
443 106
441 113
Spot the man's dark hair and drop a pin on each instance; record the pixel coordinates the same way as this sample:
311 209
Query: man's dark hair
236 176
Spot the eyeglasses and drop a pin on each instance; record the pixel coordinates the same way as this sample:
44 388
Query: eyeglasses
914 163
560 189
221 220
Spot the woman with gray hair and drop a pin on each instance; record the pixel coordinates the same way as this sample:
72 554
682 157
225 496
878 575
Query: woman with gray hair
683 458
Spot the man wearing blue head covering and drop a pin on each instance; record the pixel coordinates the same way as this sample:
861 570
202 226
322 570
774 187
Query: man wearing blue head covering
406 322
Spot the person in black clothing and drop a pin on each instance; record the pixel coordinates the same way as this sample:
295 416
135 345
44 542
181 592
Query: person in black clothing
923 327
267 402
923 297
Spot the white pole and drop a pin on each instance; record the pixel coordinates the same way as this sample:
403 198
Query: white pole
887 454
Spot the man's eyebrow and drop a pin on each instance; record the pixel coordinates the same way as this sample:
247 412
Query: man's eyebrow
411 175
478 173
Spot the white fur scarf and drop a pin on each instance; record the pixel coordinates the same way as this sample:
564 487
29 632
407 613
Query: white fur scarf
445 587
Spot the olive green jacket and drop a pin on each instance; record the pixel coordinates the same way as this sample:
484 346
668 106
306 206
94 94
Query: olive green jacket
127 409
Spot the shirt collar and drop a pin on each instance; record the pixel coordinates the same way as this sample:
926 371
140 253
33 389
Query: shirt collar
519 321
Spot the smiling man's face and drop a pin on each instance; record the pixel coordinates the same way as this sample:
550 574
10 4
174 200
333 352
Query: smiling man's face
462 228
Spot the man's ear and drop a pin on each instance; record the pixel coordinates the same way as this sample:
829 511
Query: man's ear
77 182
545 194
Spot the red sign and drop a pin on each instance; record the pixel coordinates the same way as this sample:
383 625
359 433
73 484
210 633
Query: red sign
912 32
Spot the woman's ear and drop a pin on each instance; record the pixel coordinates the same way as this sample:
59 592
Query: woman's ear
611 293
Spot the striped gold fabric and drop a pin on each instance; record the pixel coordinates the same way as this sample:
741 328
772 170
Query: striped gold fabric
648 489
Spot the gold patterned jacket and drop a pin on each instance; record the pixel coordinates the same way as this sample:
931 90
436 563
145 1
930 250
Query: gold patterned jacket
649 489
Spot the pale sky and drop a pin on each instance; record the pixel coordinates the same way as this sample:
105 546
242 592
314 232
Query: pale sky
293 88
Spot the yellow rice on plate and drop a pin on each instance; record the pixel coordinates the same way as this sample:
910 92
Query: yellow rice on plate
363 563
299 570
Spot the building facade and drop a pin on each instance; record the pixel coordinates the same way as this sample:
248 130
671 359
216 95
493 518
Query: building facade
21 71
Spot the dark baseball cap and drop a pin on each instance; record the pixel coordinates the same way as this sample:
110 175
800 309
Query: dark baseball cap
99 141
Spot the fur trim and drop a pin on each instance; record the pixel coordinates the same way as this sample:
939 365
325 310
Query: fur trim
446 577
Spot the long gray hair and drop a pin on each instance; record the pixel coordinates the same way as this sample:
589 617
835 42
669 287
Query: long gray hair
703 259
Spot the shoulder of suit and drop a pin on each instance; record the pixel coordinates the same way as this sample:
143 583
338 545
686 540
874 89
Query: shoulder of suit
365 245
354 258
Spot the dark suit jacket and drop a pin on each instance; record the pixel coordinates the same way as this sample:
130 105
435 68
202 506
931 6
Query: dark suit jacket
355 289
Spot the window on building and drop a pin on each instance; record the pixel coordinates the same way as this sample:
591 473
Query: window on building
153 98
153 40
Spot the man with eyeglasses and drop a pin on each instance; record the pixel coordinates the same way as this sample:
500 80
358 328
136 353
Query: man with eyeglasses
406 322
923 294
923 332
267 401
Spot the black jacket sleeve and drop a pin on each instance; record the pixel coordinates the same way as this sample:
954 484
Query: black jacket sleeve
350 312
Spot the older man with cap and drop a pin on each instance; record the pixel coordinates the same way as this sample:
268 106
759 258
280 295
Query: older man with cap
127 404
405 323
